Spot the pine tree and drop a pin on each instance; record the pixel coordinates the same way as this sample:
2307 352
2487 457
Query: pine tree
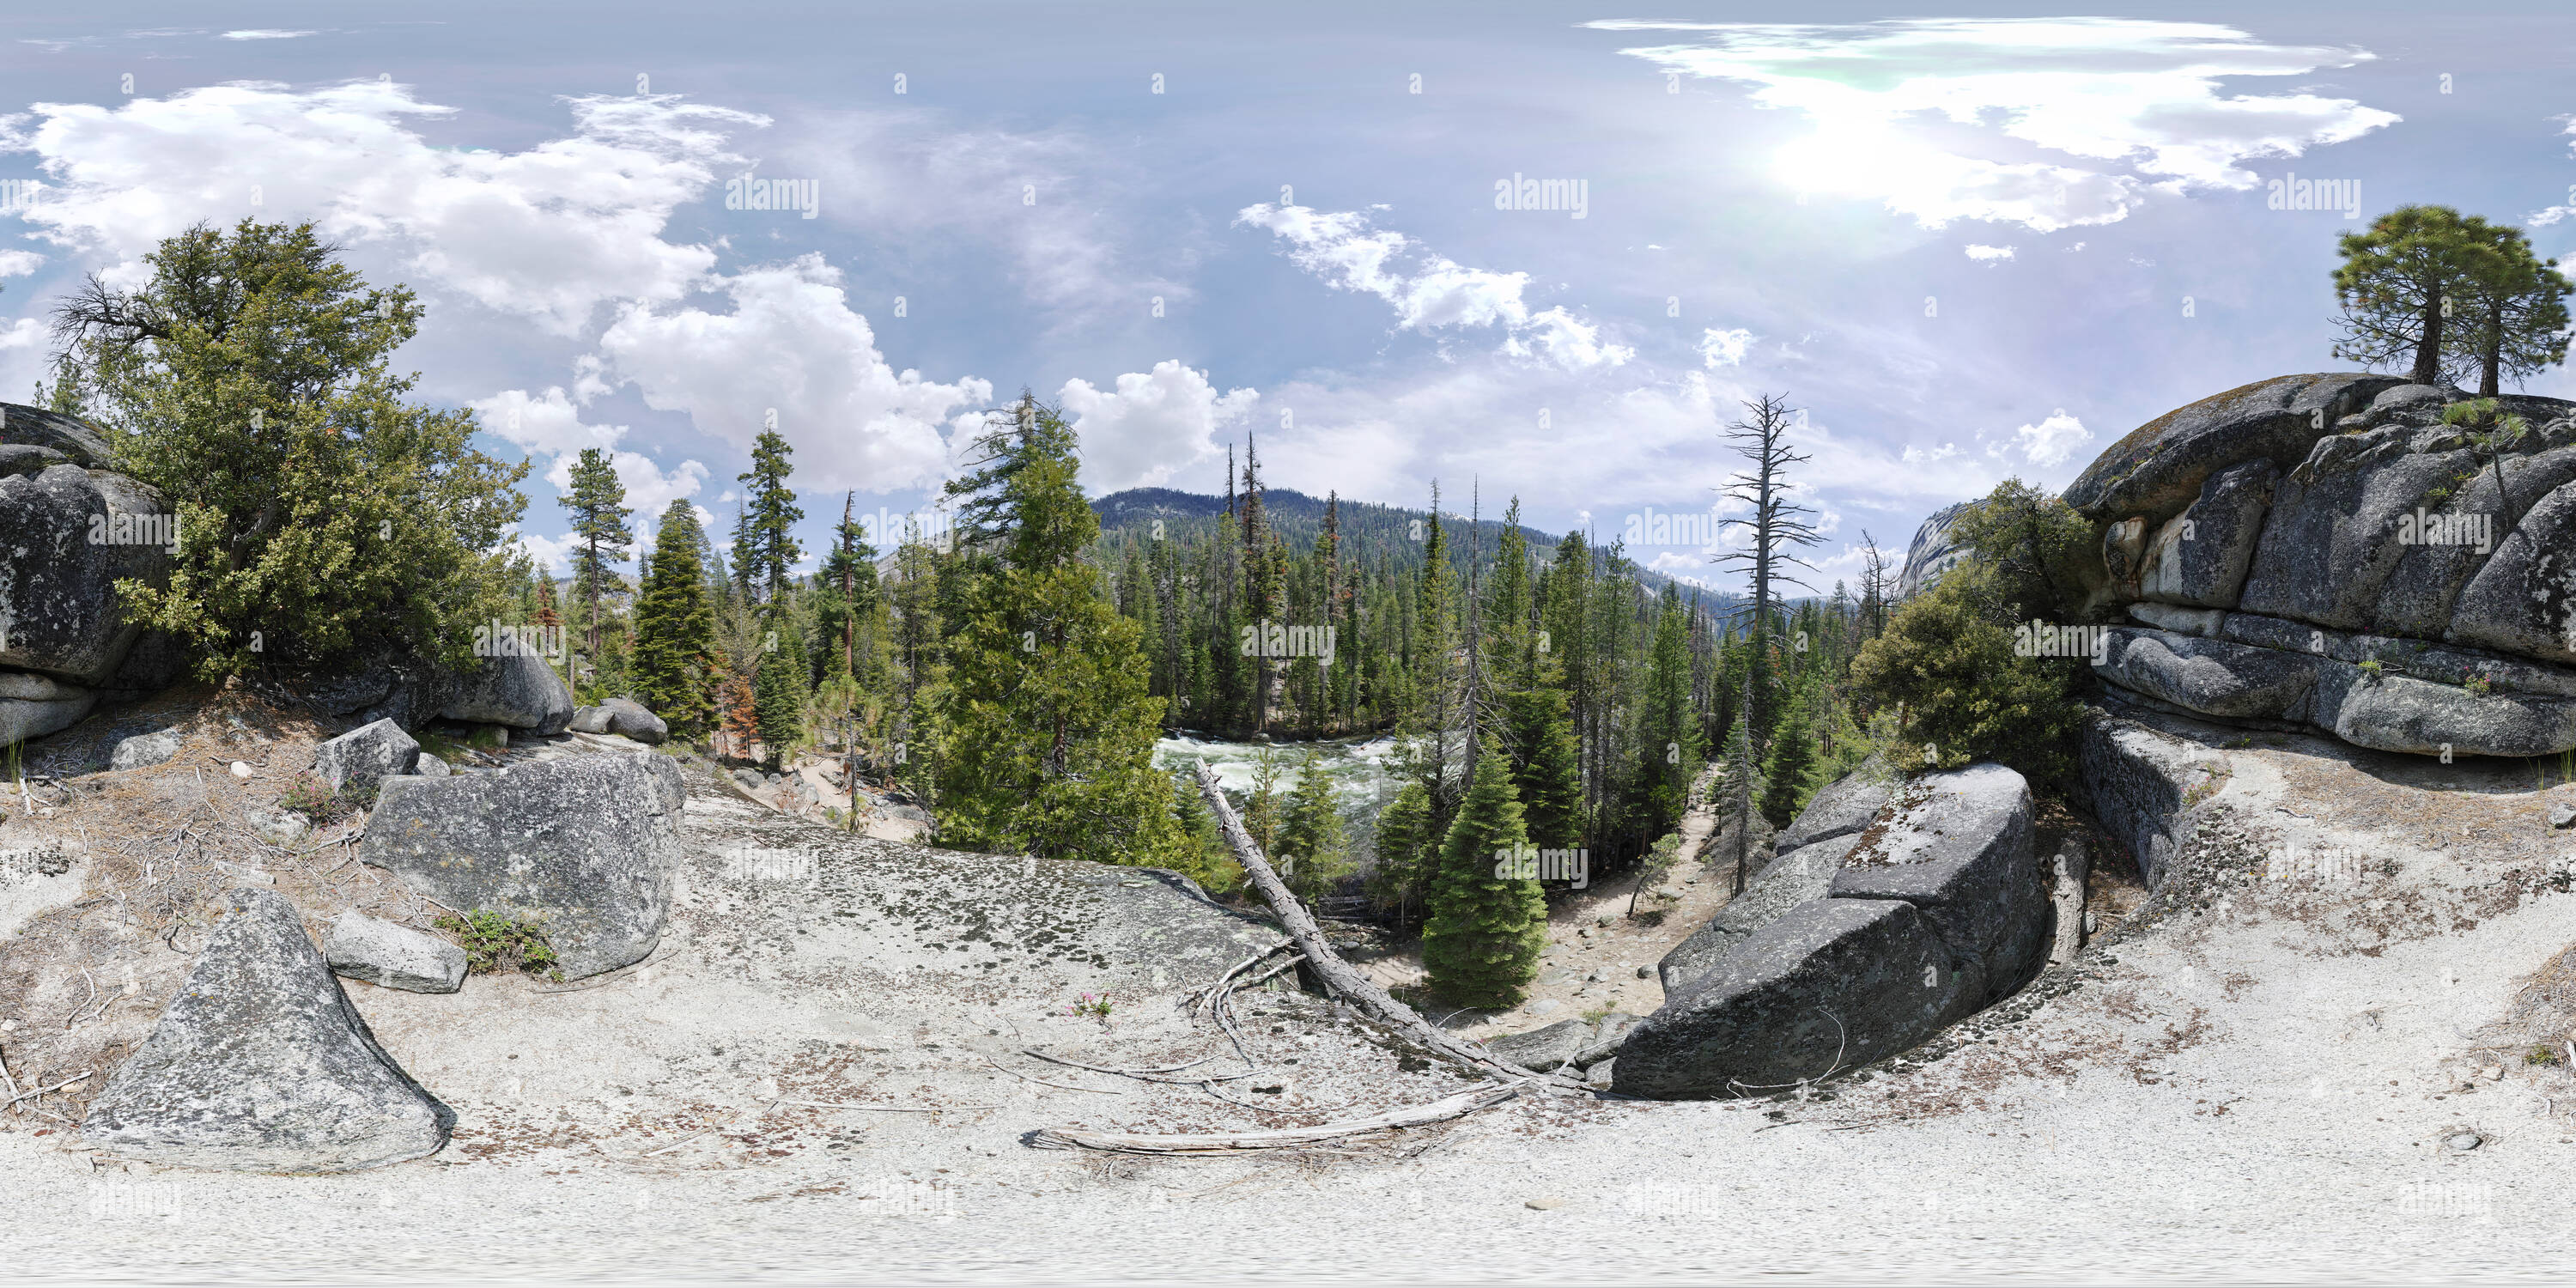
780 688
846 594
2400 284
1398 879
1481 945
1788 773
601 538
1312 832
1046 728
675 628
764 536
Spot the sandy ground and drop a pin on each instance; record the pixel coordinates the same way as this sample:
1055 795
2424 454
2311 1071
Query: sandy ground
2269 1071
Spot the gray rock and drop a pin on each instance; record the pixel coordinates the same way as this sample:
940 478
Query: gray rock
1841 807
1544 1006
2421 599
2124 553
2400 713
74 440
1602 1076
60 612
2524 600
1543 1050
24 459
583 845
2145 788
2209 676
276 826
429 766
515 689
1959 848
1792 879
2179 620
144 750
1934 551
1834 984
2161 467
589 720
1611 1035
356 762
21 718
2562 815
379 952
2200 557
2333 541
629 719
260 1064
2404 397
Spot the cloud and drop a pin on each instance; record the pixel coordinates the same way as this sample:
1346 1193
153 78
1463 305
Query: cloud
2054 439
19 263
550 425
792 345
553 554
2544 218
264 33
649 488
1151 426
2124 105
1429 290
1989 255
550 232
1724 348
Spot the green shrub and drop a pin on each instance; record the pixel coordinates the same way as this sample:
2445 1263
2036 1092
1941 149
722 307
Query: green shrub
308 795
496 941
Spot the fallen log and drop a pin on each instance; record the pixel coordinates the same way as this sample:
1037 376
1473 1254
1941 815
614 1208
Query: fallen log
1340 976
1220 1143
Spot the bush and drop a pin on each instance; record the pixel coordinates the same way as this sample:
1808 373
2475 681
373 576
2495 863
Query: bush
308 795
1946 663
496 941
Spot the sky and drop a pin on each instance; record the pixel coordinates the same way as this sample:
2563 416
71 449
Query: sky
1526 251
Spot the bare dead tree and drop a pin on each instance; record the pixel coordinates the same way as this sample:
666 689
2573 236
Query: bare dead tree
1779 527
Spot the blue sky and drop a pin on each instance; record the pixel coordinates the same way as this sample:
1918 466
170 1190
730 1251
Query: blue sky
1968 244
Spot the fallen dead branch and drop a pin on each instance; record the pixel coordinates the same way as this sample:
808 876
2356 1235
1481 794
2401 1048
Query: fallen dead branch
47 1091
887 1109
1060 1086
1224 1143
1340 976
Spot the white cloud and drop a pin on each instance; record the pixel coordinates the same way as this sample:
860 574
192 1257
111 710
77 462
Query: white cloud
649 488
2133 103
1990 255
554 554
549 232
792 344
550 425
2053 439
1427 289
1152 425
1724 348
264 33
19 263
2544 218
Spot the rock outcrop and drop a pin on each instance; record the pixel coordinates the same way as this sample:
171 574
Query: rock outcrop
261 1065
515 689
379 952
584 846
67 536
358 761
1854 948
625 718
1934 551
2322 552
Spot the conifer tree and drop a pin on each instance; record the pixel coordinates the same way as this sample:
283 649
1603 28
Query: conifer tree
1401 872
764 536
601 538
1481 944
1046 728
780 688
675 628
1312 832
1788 773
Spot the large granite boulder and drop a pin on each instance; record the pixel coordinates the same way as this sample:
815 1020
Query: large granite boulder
622 717
1959 848
584 846
67 535
34 430
1791 879
260 1064
1855 948
517 689
2337 520
2144 786
32 706
1833 984
2199 558
357 761
2209 676
2160 468
1841 807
